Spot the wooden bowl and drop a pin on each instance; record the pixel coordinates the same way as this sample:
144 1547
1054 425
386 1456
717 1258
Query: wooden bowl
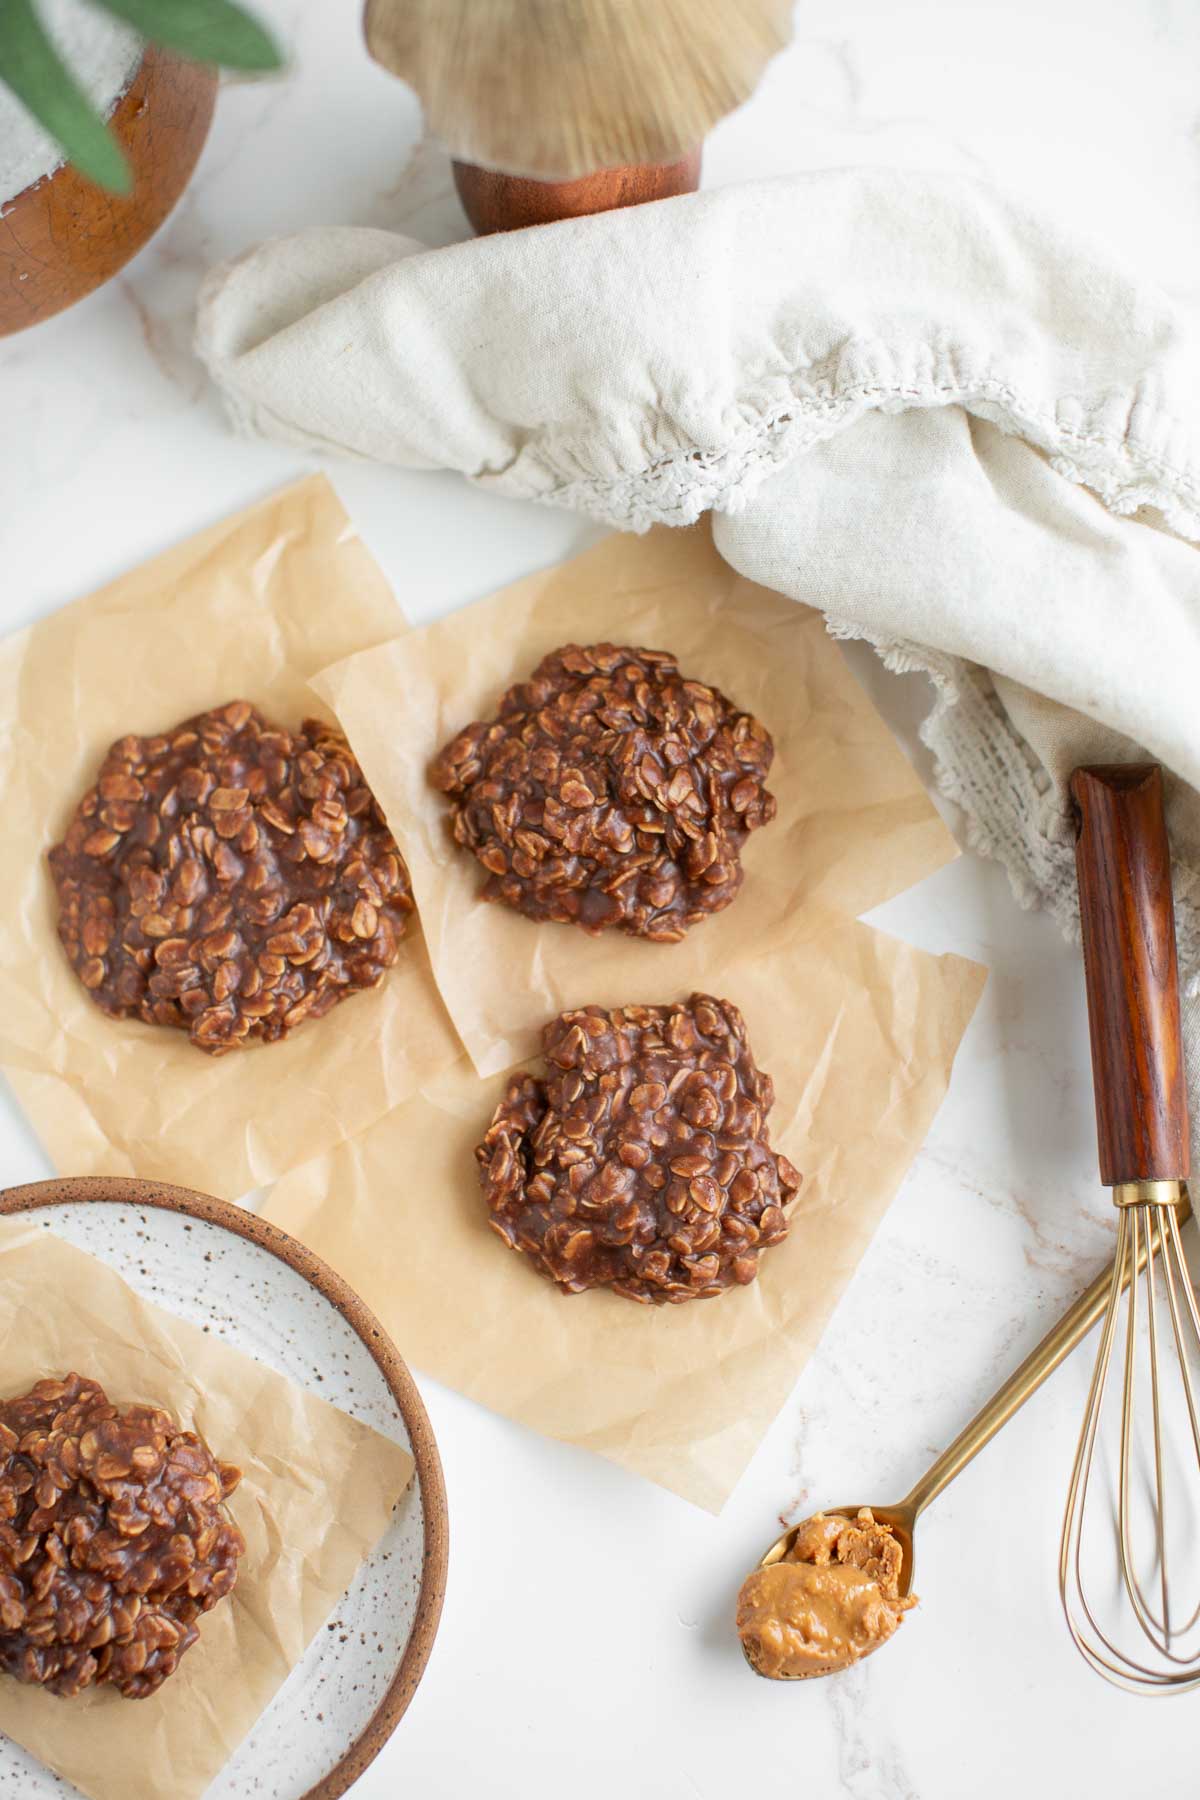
62 237
497 202
212 1262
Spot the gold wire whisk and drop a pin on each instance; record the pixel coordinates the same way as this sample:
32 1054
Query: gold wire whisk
1128 926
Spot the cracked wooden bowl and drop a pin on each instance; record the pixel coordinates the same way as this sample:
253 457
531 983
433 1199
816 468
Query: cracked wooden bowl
63 237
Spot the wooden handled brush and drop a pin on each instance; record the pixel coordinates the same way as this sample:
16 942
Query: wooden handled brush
552 108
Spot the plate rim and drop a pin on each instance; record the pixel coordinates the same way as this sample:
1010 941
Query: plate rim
134 1191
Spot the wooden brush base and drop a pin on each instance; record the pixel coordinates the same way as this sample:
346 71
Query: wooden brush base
497 202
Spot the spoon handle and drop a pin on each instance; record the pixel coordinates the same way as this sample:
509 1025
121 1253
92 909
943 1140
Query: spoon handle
1124 867
1042 1361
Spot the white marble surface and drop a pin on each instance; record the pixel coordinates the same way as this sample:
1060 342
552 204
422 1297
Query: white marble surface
585 1646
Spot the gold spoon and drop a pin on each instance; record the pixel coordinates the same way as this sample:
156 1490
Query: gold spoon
901 1518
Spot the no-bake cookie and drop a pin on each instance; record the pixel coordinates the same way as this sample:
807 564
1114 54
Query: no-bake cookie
642 1161
229 878
610 791
113 1540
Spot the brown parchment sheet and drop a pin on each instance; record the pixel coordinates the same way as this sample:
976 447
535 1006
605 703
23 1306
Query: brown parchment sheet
859 1032
318 1488
854 824
249 609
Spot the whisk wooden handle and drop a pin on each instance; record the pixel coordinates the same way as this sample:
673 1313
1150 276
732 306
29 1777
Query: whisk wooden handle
1123 861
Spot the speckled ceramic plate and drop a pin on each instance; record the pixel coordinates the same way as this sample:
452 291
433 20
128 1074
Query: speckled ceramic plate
261 1290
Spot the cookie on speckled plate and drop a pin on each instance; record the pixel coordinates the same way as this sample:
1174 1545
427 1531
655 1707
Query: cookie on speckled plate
114 1540
237 1334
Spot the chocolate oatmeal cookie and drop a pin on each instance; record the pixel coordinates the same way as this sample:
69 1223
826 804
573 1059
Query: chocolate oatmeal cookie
642 1161
113 1540
610 791
229 878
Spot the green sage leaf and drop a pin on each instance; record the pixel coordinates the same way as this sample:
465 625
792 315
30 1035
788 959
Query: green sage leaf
31 66
211 31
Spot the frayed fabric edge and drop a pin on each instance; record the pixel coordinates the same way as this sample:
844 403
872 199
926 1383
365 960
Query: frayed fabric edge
971 739
678 488
975 747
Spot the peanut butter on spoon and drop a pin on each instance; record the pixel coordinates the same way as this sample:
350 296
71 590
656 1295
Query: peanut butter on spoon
830 1590
832 1598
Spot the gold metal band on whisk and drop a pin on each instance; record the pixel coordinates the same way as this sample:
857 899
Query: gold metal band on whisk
1148 1193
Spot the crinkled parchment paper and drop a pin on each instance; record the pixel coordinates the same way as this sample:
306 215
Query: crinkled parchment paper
859 1032
854 825
317 1491
247 610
